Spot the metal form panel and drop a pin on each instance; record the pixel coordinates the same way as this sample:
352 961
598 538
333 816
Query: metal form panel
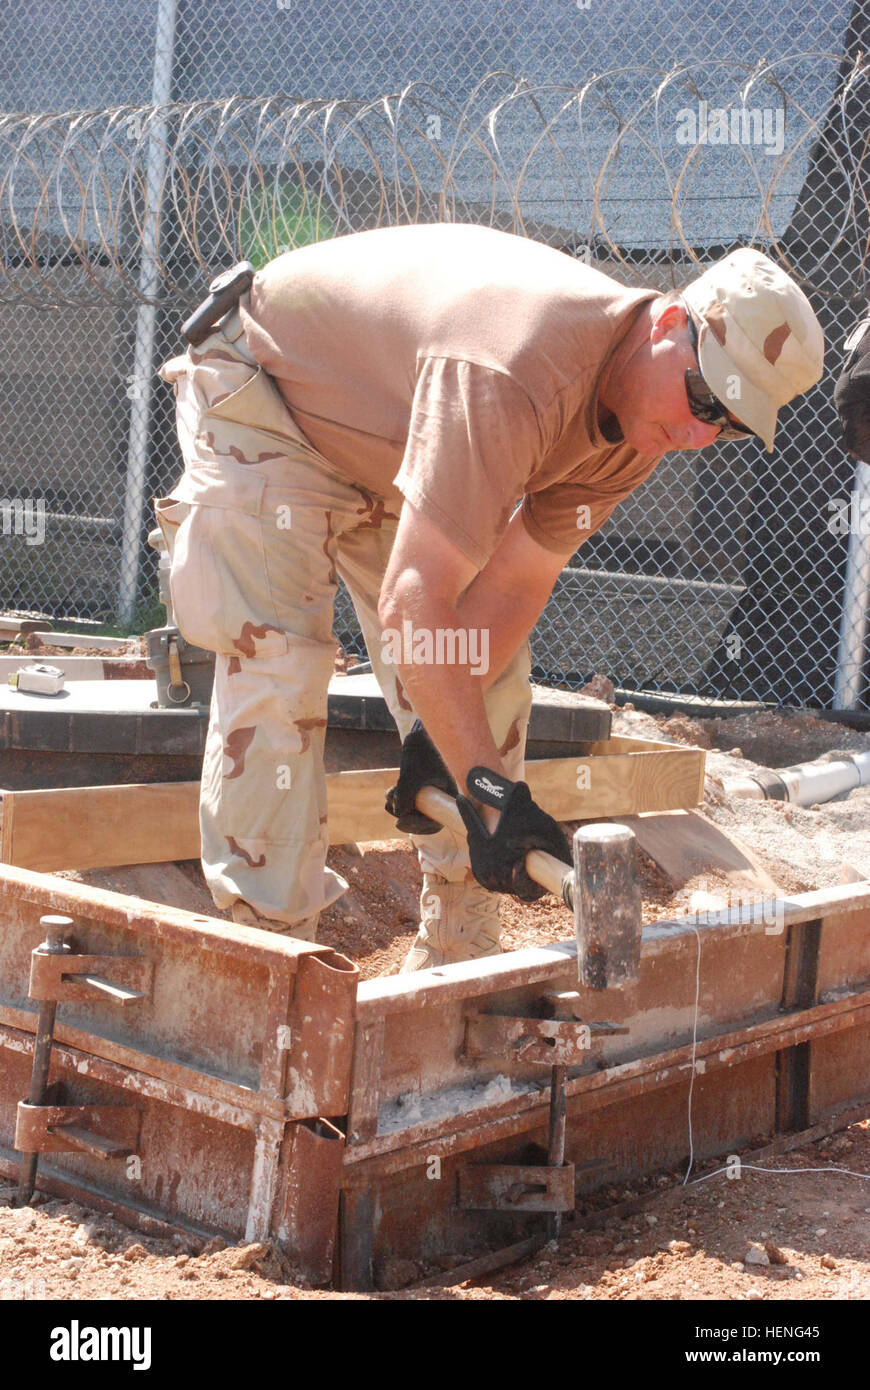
408 1119
516 1187
237 1041
780 1041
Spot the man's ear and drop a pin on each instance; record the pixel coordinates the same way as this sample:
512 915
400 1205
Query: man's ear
668 318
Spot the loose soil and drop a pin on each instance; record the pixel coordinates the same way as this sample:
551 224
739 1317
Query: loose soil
133 648
770 1235
127 663
764 1236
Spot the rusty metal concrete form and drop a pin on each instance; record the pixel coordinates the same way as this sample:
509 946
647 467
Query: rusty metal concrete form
271 1096
443 1102
232 1063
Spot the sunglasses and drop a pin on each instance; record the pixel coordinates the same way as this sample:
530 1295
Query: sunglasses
704 405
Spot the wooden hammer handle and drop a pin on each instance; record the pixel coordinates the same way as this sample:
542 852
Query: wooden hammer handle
545 869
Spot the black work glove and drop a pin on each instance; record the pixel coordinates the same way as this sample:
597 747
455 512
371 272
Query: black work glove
421 766
498 860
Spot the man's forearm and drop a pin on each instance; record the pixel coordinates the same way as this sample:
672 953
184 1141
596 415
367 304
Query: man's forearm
507 597
452 632
446 694
502 618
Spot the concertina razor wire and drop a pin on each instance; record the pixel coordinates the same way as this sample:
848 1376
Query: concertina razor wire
727 575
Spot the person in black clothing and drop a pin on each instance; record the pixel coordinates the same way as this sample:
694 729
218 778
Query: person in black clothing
852 393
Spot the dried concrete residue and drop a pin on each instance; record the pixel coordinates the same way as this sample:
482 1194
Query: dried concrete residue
416 1108
300 1093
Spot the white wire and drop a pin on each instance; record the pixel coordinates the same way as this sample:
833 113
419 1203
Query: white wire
753 1167
775 1172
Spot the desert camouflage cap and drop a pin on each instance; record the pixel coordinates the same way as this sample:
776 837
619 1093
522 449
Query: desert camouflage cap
759 341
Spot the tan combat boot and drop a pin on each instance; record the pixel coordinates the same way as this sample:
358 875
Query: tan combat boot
306 930
459 922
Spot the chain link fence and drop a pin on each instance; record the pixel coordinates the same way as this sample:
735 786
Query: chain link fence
648 141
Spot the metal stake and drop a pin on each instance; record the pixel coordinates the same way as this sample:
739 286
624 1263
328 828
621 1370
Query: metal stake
556 1145
53 945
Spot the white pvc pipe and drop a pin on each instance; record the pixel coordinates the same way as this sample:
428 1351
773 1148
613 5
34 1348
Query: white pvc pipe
856 598
809 783
146 317
746 788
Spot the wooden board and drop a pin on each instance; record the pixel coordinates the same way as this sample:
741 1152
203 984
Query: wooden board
83 639
97 827
619 784
854 870
685 844
10 627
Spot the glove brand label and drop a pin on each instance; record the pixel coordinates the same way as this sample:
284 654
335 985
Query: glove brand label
488 786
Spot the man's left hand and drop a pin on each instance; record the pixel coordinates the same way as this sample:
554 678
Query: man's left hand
421 766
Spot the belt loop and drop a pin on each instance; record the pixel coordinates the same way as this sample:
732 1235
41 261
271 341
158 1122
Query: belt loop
231 328
232 331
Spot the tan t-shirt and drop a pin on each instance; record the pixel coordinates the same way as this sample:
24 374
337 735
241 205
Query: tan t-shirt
458 366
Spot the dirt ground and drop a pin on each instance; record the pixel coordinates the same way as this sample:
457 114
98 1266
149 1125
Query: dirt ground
763 1236
126 662
777 1234
134 647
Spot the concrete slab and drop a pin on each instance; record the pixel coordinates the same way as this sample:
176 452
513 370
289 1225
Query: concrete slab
559 716
88 696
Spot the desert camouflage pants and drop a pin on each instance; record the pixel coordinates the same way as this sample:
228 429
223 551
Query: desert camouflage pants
259 529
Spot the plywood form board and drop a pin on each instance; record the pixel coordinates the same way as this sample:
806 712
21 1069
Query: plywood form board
685 845
98 827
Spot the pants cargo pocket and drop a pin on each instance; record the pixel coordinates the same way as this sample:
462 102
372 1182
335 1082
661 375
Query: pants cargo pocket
170 515
218 582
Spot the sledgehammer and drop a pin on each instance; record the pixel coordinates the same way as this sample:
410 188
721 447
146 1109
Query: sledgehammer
602 890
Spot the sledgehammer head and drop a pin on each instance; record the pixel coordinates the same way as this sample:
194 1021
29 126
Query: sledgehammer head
608 917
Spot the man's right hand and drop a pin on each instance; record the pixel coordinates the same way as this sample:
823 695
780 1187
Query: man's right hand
421 766
498 859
